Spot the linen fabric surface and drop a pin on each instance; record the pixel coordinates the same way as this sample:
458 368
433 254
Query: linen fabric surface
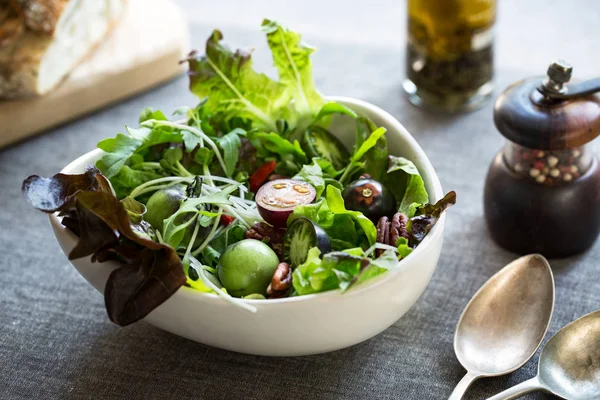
56 341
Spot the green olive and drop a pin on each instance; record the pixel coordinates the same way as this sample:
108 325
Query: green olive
246 267
162 204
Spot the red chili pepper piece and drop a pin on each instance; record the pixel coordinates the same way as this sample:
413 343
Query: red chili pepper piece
226 219
261 174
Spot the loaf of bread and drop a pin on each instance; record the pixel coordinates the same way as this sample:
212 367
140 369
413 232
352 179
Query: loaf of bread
41 41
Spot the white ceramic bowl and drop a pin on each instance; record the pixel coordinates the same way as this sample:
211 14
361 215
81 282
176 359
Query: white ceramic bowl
299 325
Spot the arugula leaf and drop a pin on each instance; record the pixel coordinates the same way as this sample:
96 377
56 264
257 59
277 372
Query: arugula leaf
405 182
376 159
271 144
233 89
204 156
368 144
177 227
190 140
129 178
230 144
149 113
356 162
120 148
291 57
335 108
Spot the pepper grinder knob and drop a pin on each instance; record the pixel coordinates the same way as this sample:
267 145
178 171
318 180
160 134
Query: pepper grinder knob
559 73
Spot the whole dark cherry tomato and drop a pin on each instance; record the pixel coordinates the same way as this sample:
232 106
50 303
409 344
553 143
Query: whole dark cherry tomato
371 198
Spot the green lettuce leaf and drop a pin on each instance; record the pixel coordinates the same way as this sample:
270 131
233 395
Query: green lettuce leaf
339 270
318 174
387 261
345 228
335 201
291 57
404 248
232 88
405 182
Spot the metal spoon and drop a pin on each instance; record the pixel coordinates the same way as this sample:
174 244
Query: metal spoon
569 366
505 322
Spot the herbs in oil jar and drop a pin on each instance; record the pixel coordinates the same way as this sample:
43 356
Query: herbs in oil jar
449 57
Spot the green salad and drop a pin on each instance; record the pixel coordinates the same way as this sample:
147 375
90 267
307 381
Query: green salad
248 195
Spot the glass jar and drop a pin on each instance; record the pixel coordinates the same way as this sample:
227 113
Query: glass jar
547 167
449 54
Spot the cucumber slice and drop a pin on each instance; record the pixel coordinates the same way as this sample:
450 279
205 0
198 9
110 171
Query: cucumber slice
301 236
318 142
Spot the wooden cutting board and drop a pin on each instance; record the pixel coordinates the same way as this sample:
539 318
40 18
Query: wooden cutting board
142 51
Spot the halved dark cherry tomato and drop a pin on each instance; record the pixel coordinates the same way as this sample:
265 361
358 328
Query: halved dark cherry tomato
277 199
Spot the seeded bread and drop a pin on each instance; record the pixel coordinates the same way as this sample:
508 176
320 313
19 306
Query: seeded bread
41 41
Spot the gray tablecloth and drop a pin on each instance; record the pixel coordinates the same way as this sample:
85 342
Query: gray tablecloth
55 338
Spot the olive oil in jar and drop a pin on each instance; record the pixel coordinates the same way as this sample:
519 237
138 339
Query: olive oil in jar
449 56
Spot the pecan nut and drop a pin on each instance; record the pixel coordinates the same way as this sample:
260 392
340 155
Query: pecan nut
383 233
281 283
398 228
388 232
268 234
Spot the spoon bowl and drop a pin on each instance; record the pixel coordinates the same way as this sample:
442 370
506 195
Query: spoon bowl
506 320
570 362
569 366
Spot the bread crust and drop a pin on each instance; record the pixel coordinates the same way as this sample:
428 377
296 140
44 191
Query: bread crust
41 16
21 53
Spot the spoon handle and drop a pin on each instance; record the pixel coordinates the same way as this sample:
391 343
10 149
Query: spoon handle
519 390
462 386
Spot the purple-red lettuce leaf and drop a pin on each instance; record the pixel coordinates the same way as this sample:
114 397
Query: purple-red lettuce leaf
428 216
51 194
110 229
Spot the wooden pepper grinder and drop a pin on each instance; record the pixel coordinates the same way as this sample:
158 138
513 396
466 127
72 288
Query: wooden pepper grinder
542 192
